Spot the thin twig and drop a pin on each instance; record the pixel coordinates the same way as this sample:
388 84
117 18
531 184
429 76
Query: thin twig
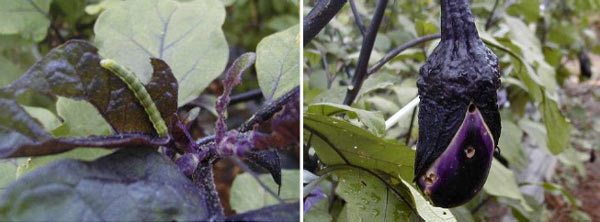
330 77
488 22
319 17
266 112
253 174
394 52
357 18
254 94
365 53
410 127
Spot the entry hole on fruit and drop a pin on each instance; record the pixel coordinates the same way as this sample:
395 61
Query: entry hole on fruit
472 108
470 152
429 179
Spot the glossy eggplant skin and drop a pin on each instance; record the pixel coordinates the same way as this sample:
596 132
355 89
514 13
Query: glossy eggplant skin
460 172
459 73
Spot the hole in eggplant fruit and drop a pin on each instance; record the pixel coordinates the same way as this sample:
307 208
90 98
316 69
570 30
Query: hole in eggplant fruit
429 179
470 152
472 108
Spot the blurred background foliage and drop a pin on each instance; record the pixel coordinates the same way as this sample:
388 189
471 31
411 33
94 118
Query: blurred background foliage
30 29
549 56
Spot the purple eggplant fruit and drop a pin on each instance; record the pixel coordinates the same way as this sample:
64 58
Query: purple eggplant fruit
459 122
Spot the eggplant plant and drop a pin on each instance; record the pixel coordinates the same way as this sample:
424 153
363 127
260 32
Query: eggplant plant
459 122
418 134
133 91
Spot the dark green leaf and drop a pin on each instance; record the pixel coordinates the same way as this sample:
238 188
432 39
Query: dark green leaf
373 120
129 185
358 146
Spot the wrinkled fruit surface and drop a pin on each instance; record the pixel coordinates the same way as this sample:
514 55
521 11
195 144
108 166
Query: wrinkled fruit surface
459 122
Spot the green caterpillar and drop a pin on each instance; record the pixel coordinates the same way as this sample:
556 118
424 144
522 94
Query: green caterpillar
138 89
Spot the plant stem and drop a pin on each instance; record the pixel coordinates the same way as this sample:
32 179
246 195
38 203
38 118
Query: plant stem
410 127
254 94
203 177
365 53
358 19
488 22
319 17
266 112
394 52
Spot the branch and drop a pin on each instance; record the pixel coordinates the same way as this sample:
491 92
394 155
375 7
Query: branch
410 127
394 52
358 19
488 22
319 17
266 112
254 94
365 53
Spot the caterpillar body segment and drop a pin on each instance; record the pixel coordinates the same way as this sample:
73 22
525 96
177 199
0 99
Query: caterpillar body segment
138 89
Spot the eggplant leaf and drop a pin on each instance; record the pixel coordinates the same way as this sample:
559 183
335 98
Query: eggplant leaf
277 60
127 185
72 70
26 18
186 35
247 194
